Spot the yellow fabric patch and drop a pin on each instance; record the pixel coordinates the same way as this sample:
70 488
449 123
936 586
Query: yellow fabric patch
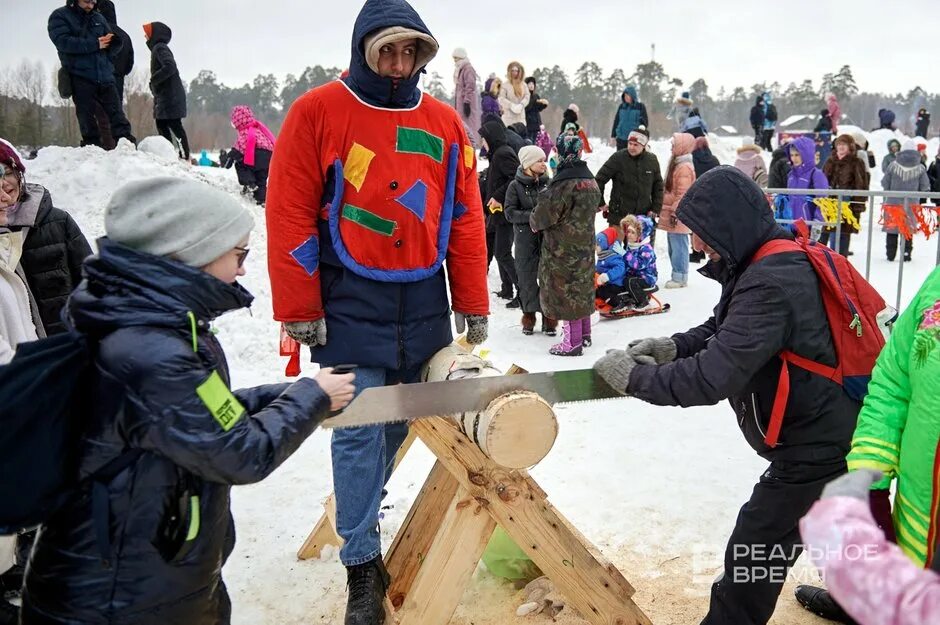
468 156
356 167
219 400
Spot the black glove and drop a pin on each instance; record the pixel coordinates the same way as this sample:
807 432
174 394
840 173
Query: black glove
466 109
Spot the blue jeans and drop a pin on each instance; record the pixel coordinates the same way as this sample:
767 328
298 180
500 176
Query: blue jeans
363 459
679 256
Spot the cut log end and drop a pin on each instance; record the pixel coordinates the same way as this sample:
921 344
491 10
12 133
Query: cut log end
517 430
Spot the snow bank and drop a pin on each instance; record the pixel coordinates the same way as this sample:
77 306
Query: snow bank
656 489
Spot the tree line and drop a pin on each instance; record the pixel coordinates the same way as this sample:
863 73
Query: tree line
33 115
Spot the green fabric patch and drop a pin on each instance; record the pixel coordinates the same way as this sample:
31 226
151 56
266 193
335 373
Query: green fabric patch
194 518
369 220
219 400
417 141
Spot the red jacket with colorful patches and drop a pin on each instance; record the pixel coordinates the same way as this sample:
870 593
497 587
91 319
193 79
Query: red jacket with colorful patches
395 189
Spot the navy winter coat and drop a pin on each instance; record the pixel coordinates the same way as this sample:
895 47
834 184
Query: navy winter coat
169 96
765 308
75 34
161 388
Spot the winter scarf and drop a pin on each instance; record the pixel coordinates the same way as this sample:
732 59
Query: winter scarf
459 65
248 128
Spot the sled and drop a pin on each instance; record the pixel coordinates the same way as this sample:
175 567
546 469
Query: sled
654 307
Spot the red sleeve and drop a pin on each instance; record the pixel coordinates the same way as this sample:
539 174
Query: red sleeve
295 189
466 252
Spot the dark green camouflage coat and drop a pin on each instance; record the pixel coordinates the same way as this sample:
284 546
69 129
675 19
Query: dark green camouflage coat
565 216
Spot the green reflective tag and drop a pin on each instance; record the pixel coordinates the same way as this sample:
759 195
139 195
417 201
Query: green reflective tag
219 400
193 518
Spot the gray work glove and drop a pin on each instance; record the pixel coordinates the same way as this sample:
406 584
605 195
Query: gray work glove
310 333
616 365
476 327
855 484
661 350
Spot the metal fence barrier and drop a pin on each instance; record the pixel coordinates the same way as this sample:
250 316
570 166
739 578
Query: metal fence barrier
908 197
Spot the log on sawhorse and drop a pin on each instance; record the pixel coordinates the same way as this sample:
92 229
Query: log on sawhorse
444 534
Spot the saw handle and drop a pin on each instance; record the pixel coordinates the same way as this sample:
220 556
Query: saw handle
344 369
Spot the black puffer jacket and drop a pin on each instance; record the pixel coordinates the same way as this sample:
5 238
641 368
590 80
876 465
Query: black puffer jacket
124 59
52 254
169 96
75 35
638 185
778 177
765 307
162 388
504 161
522 195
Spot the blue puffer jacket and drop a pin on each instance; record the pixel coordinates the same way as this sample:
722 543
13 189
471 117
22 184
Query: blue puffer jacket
75 34
162 389
392 325
629 117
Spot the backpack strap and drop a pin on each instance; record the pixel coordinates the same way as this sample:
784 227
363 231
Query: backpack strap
781 246
101 503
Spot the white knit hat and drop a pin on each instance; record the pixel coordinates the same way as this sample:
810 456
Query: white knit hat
181 219
459 53
530 155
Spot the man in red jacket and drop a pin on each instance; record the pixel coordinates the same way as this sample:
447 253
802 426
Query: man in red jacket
373 188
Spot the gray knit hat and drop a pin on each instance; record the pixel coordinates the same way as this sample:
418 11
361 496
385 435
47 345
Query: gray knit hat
182 219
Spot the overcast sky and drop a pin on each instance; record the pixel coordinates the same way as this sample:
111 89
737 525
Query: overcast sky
727 42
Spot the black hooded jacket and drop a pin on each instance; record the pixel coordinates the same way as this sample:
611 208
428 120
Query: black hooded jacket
765 308
504 161
169 96
778 177
123 59
161 388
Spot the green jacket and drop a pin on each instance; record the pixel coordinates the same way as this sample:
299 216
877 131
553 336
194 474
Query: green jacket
899 426
565 215
638 185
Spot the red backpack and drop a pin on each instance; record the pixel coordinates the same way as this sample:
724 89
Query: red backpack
852 307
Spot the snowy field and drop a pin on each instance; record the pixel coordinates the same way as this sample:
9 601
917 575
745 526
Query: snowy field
656 489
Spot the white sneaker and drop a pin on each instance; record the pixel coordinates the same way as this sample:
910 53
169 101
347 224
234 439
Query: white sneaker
672 284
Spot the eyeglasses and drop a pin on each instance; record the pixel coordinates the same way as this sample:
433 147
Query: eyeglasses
242 255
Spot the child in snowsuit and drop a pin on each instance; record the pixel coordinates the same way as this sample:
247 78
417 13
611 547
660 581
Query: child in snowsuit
251 154
610 269
639 261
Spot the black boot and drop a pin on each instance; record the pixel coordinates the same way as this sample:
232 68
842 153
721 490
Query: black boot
514 303
820 602
367 584
504 293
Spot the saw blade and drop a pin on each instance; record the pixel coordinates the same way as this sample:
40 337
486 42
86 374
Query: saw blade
402 402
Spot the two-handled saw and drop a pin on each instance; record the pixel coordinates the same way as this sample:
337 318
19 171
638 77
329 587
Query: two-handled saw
403 402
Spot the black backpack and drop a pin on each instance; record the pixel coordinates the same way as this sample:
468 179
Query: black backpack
46 404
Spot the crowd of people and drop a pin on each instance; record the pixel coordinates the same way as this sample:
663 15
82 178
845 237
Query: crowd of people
382 242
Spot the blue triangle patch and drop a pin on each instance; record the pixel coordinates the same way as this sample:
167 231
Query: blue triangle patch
415 199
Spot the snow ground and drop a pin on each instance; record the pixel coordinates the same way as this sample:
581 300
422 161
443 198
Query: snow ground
655 489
